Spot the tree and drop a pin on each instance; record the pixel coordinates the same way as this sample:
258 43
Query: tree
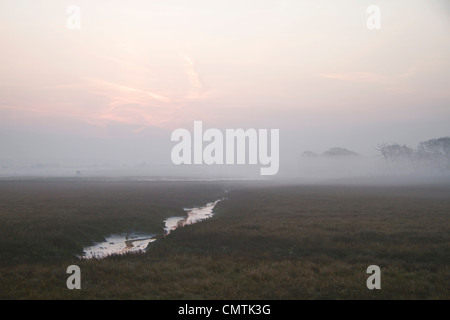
430 153
435 152
339 152
395 152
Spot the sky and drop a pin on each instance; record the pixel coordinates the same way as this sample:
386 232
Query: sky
112 91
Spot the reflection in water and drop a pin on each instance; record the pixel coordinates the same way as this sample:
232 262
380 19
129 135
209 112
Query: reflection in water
194 215
138 242
117 244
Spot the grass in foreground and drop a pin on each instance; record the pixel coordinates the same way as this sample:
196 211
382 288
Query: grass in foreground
265 242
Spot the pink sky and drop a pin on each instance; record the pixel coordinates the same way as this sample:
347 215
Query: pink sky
308 66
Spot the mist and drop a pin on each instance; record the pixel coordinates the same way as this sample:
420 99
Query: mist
103 98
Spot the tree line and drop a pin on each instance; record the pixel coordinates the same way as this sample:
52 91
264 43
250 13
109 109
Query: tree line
433 153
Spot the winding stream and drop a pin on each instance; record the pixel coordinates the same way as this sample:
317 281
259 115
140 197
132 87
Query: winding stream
194 215
138 242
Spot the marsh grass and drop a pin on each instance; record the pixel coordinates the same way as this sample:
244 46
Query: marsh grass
43 221
265 242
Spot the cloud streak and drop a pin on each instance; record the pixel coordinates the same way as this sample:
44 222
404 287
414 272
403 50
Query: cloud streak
399 83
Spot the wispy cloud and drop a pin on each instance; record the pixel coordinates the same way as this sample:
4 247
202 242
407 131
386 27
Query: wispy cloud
18 108
197 90
359 77
132 105
192 75
397 83
136 98
134 93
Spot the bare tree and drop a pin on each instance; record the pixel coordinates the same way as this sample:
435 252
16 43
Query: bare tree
435 152
382 148
395 152
399 158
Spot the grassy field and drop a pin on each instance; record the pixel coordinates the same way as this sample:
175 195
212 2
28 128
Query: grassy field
265 242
